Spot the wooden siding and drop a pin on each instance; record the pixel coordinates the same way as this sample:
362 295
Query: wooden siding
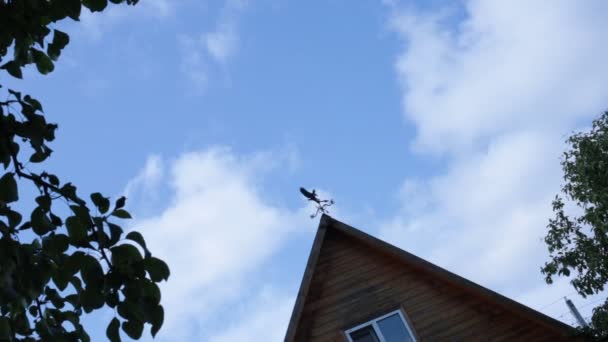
353 283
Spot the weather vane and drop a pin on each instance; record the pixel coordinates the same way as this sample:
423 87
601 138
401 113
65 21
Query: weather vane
322 205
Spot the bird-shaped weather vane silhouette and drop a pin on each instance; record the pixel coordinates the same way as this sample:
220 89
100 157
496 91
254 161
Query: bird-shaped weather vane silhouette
322 205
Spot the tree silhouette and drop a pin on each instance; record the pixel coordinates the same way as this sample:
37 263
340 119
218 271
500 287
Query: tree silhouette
54 267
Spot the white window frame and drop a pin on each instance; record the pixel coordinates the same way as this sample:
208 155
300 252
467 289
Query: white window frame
374 324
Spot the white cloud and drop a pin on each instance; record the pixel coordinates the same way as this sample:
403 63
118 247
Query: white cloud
222 43
148 177
507 65
264 319
218 45
193 64
487 213
494 90
216 231
94 25
161 8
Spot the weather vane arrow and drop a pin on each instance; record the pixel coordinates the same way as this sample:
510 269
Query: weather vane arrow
321 205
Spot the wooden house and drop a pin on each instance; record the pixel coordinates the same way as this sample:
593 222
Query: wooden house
357 288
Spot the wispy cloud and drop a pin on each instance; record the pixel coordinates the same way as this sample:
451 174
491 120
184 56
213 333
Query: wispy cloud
94 25
193 64
216 231
222 42
148 177
493 90
161 8
217 46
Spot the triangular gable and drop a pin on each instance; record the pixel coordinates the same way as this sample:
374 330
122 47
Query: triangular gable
343 255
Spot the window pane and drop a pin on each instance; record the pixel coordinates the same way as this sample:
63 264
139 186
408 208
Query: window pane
366 334
393 329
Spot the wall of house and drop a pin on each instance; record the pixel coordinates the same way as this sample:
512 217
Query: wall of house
353 283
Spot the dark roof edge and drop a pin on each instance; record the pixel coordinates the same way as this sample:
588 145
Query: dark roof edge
307 278
456 280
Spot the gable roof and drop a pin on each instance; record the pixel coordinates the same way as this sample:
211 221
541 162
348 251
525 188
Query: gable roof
328 223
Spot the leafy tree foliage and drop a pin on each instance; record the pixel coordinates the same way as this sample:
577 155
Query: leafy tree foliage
578 245
68 255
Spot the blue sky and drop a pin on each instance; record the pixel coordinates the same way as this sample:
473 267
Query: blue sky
437 127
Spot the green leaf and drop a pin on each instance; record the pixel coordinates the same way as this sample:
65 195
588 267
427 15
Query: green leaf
43 329
73 299
157 319
56 220
84 337
54 297
115 233
121 213
33 102
60 39
150 290
123 311
120 202
77 283
133 328
14 218
5 157
73 263
82 213
137 237
125 254
21 324
44 201
61 278
77 231
13 69
38 157
53 180
92 273
72 8
55 244
91 299
16 94
157 269
112 298
72 317
40 222
68 190
8 188
131 310
95 5
43 62
53 52
5 330
102 203
112 331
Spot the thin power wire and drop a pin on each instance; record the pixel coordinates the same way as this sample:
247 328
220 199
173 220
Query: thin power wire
583 306
595 301
557 300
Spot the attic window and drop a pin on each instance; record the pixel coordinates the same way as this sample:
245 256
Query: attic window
391 327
